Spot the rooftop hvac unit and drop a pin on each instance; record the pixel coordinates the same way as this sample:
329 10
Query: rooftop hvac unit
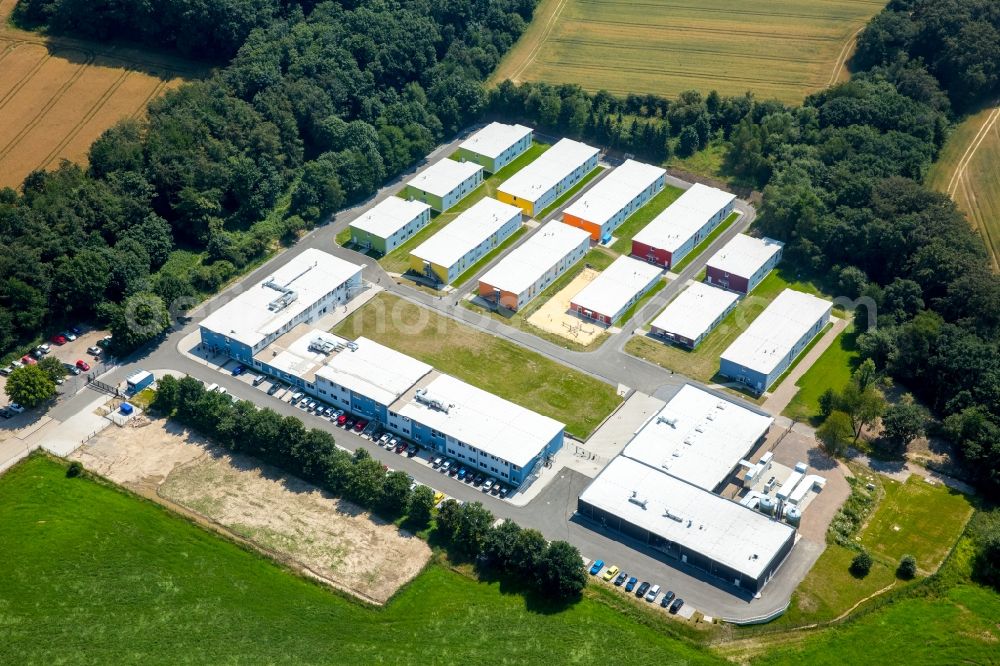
426 399
322 345
669 420
353 346
699 428
710 417
638 501
673 516
720 405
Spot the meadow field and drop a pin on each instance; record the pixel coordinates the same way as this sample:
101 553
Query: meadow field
783 49
58 94
968 170
105 577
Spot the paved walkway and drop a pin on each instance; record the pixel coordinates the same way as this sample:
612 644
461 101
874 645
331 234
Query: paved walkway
777 401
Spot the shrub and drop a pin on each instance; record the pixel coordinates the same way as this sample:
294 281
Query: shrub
861 564
907 568
74 470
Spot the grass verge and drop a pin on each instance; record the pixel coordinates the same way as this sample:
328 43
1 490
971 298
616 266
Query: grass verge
487 361
624 319
832 370
703 245
490 256
565 196
640 218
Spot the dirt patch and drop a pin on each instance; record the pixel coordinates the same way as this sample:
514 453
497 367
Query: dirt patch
333 540
555 316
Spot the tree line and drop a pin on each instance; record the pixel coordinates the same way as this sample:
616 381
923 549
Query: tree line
312 454
320 104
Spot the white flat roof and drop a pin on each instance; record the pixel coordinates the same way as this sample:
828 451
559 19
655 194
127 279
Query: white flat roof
698 437
494 139
613 192
480 419
443 176
694 310
389 216
312 275
744 255
775 331
483 219
548 169
716 527
616 285
293 352
374 370
525 264
681 219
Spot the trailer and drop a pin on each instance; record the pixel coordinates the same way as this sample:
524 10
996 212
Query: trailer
139 380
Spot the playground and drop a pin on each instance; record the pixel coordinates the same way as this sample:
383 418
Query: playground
555 316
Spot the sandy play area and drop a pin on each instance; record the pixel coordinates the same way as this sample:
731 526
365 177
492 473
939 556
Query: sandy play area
554 316
290 519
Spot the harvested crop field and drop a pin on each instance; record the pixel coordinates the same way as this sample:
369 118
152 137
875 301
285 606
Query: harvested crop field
57 95
293 521
782 49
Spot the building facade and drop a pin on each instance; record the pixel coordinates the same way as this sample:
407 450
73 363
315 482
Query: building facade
693 314
444 183
604 207
539 184
443 257
496 145
743 263
389 224
615 290
685 223
531 267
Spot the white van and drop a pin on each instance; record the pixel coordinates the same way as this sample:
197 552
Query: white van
212 388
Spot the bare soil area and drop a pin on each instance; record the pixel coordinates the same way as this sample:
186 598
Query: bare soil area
555 316
330 539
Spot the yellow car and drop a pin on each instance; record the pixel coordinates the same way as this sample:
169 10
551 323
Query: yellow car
438 496
611 573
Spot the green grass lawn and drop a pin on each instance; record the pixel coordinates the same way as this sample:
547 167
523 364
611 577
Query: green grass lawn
489 362
703 245
96 575
597 258
832 370
398 261
959 627
565 196
492 254
640 218
798 359
916 518
703 362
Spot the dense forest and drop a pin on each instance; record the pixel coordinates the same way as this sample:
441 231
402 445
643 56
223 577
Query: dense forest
316 109
841 178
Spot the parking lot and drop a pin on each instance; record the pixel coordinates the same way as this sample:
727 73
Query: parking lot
651 592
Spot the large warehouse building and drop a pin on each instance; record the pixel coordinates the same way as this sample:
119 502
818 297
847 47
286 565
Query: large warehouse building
743 263
301 291
539 184
444 183
694 314
495 146
774 339
470 236
532 266
615 290
699 437
389 224
611 201
740 546
686 222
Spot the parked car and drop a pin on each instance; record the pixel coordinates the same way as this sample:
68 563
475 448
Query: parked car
104 342
391 444
238 370
16 408
676 606
71 369
630 585
487 485
667 598
58 339
503 492
651 595
337 413
400 446
5 413
342 419
478 481
437 462
611 572
596 567
642 589
258 380
95 351
69 335
384 439
462 472
360 425
622 577
298 395
6 371
438 496
27 359
412 450
495 489
445 466
273 388
83 365
454 470
350 423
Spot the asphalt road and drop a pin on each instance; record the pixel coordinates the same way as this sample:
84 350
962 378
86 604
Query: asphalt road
552 511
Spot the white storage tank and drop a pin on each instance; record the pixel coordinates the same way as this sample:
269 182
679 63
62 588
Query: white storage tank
793 516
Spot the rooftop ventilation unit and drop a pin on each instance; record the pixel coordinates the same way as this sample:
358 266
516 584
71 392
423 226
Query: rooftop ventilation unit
720 405
288 295
426 399
638 501
669 420
673 516
322 345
